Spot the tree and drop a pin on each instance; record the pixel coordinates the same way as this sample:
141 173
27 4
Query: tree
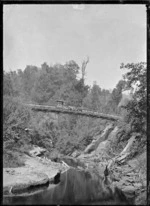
15 118
115 97
136 108
93 98
83 68
7 84
30 76
71 70
43 88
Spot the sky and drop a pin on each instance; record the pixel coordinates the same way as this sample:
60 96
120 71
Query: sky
108 34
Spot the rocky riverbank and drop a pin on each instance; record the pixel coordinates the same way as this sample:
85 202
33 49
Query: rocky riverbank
125 172
127 167
37 171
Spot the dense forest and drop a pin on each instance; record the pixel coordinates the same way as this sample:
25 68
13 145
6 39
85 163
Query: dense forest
65 133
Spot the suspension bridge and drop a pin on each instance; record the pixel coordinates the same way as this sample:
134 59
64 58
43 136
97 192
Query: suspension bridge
72 111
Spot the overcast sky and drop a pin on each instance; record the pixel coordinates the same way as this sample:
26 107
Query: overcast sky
108 34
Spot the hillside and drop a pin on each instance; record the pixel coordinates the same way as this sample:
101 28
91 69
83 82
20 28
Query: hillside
109 156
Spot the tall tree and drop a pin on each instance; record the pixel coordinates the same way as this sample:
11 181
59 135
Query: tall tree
136 108
93 99
30 76
115 97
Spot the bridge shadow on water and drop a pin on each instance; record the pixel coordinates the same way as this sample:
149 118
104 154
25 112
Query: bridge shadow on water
78 187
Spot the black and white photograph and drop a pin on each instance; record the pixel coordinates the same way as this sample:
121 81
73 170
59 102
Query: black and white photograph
74 104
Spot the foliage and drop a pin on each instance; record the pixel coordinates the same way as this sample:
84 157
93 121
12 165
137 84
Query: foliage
97 99
29 77
12 159
7 84
136 108
79 135
15 118
115 98
44 131
46 85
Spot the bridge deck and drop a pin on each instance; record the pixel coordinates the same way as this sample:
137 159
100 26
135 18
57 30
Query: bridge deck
44 108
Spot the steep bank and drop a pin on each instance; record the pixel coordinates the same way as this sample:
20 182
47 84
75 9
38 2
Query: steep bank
126 160
126 172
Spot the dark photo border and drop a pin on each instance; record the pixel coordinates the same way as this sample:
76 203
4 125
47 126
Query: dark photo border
133 2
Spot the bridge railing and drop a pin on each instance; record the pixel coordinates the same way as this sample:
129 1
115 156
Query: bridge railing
72 110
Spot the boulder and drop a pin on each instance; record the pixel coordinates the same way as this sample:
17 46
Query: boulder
129 189
30 187
76 153
37 151
21 182
34 175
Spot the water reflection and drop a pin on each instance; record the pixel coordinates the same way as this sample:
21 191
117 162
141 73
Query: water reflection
75 187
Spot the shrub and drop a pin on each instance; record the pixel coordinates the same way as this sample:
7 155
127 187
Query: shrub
15 120
12 159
